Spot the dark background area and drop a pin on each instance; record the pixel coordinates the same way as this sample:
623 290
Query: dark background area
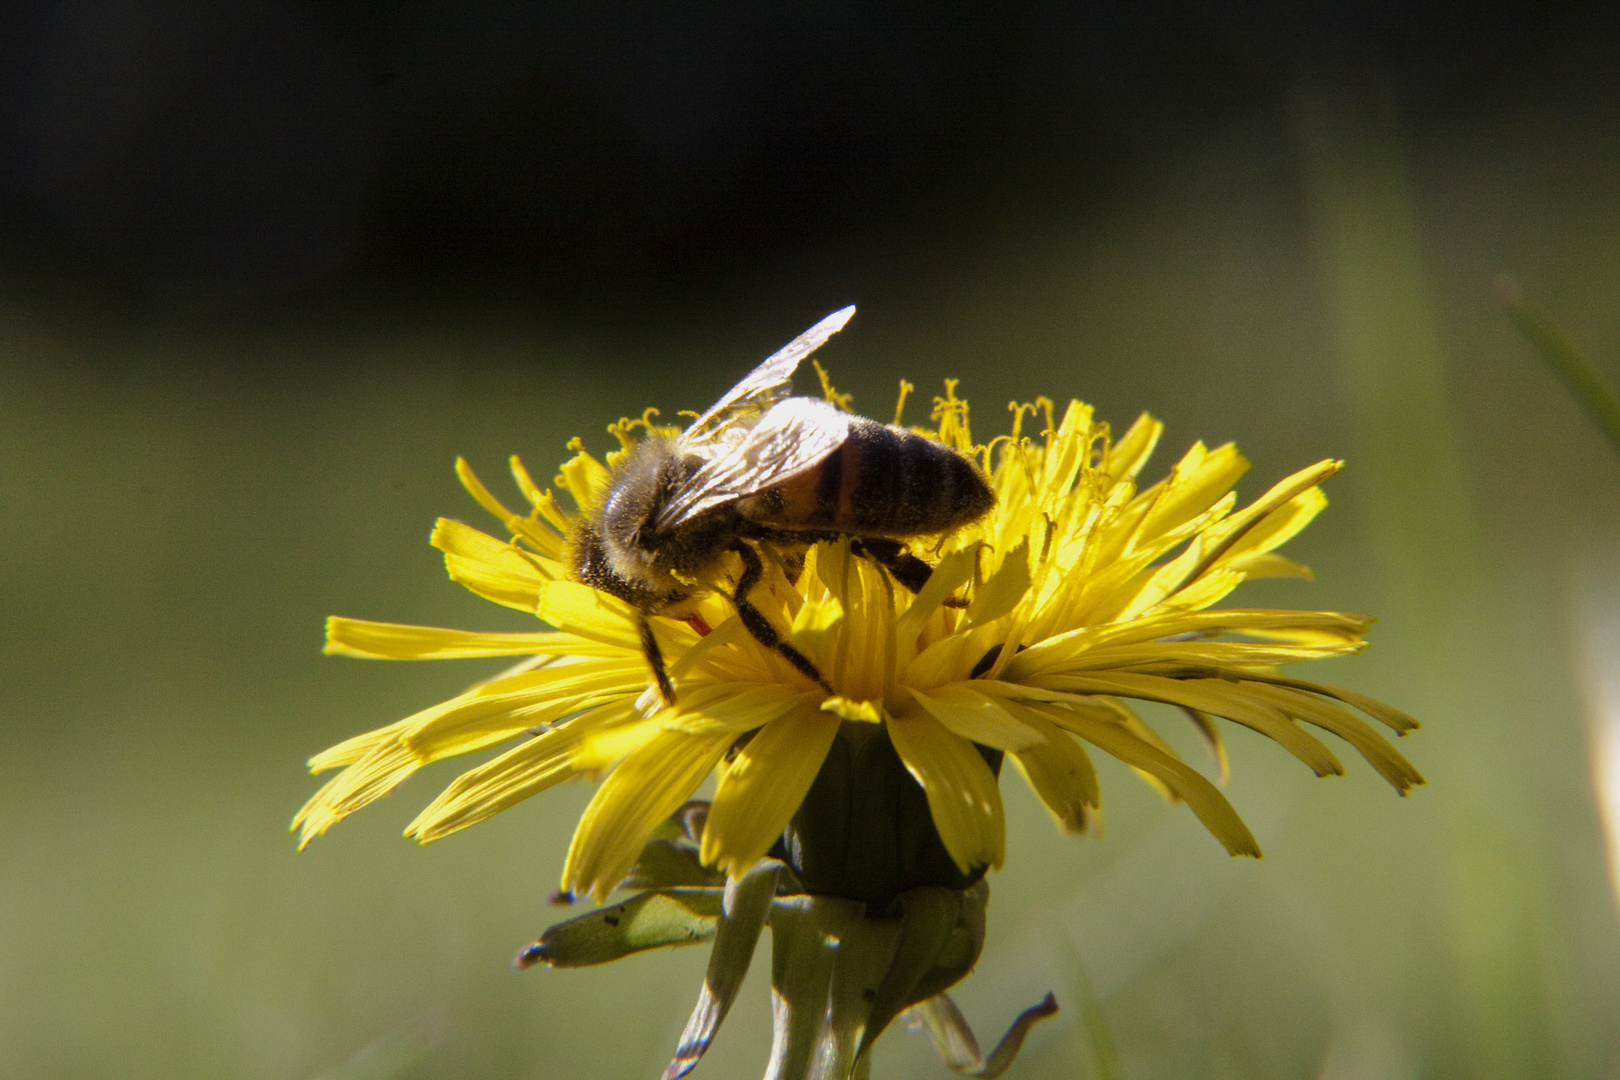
267 267
624 162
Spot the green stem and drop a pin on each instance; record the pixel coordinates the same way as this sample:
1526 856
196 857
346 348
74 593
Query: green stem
1564 357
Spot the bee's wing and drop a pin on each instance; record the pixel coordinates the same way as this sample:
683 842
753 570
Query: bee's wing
760 387
793 436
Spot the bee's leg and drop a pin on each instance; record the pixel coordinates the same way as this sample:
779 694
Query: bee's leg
755 622
655 660
905 568
911 572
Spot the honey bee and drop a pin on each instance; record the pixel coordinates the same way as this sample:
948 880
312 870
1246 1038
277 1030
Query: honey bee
757 469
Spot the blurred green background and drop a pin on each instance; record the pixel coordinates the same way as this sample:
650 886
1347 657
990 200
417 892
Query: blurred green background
252 308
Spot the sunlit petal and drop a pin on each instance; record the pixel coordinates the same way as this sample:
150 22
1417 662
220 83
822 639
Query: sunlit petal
763 786
646 788
962 792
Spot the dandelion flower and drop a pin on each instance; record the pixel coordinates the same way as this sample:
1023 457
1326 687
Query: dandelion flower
1078 596
1044 626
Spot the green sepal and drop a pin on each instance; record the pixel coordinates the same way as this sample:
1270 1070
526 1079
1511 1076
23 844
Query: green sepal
660 918
959 1050
825 958
930 917
746 909
962 947
669 864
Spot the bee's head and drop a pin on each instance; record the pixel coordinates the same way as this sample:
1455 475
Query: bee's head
638 489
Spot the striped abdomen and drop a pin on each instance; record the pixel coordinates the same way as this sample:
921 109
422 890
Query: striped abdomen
883 481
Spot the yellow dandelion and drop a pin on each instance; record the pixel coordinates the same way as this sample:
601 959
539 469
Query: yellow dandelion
1042 628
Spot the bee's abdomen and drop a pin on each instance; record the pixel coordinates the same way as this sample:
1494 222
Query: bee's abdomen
885 481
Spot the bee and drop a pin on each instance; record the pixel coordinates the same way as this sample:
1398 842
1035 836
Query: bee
762 469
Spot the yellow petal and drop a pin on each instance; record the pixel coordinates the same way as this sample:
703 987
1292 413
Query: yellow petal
538 533
397 641
952 572
817 630
1388 715
1178 655
949 659
370 778
729 708
583 477
728 653
1289 505
867 712
976 717
1202 797
507 780
1219 697
864 664
1166 587
352 749
1004 590
1115 711
1065 454
1128 583
545 505
531 490
962 795
1304 627
1211 587
492 568
599 750
1059 771
1279 526
1268 564
1196 483
487 715
1347 726
646 788
1126 456
506 705
496 712
764 786
1209 731
597 616
1101 708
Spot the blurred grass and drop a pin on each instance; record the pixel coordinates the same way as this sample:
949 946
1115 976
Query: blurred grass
185 501
1564 357
1425 546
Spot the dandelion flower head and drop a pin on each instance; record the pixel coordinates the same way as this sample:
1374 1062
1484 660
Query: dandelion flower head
1082 594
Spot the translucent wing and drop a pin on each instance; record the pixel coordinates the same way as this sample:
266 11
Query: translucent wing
793 436
760 387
